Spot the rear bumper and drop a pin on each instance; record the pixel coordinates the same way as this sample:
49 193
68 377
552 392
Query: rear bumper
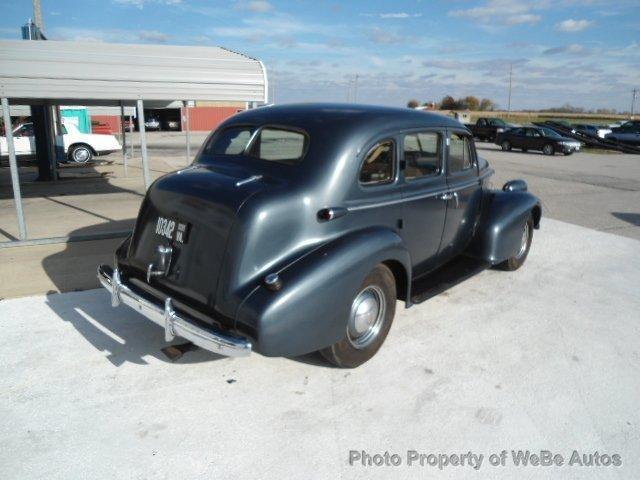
174 325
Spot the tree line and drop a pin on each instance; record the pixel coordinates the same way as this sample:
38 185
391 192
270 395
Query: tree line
464 103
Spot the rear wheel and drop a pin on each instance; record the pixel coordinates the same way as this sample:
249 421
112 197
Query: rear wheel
506 145
518 259
370 318
80 154
548 149
525 150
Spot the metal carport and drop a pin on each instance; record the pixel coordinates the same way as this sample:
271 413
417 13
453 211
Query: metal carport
76 73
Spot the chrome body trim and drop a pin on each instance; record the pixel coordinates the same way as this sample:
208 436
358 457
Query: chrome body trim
253 178
444 193
174 325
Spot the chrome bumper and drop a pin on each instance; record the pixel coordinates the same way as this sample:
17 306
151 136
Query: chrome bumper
174 325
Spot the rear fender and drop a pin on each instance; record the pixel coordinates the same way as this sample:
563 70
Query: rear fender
499 230
311 310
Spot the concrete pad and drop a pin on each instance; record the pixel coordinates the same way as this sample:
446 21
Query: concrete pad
60 267
543 358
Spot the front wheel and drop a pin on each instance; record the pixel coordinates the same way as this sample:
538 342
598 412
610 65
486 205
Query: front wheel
548 149
506 145
518 259
372 311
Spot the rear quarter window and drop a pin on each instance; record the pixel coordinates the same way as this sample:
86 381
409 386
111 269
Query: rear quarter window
269 143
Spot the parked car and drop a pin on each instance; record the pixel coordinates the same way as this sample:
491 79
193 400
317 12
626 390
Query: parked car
298 227
129 124
595 130
628 132
152 123
172 124
537 138
487 128
79 147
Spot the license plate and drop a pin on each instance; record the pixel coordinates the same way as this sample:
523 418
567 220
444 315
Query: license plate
173 229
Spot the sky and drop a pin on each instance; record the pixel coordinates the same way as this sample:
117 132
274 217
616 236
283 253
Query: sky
586 53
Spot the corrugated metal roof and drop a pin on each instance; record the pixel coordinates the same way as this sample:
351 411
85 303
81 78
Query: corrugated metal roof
107 71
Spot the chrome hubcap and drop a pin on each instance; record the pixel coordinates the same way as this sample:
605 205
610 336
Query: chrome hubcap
524 241
81 155
367 315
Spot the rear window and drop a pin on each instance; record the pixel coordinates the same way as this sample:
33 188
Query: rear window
270 144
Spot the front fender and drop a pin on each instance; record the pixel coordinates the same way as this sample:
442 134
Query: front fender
499 230
311 310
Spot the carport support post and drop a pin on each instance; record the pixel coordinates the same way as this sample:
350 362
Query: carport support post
13 166
124 138
143 145
188 131
130 137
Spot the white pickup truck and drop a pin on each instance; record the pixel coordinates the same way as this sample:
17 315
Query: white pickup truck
79 147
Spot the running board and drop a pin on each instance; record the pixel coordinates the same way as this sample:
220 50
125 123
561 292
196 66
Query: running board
445 277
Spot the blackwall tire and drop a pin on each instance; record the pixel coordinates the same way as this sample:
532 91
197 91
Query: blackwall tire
368 325
506 146
549 149
515 262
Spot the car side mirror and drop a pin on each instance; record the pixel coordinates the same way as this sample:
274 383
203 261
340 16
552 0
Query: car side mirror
515 186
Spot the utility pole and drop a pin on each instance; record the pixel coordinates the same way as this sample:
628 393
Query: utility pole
273 87
633 101
355 90
37 15
510 78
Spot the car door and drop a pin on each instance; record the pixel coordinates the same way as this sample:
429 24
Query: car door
482 127
517 138
24 140
535 139
463 195
423 209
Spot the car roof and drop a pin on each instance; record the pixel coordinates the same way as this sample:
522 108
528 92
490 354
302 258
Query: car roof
310 116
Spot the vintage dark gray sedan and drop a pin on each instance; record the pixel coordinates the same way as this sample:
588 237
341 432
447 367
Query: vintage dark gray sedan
297 227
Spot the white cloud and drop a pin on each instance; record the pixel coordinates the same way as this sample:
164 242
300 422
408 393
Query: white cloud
258 6
141 3
392 15
500 12
573 49
112 35
571 25
383 36
153 36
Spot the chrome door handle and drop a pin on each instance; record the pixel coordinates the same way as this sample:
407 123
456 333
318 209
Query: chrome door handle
451 196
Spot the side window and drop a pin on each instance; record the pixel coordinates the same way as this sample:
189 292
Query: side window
64 130
482 122
378 164
459 153
278 145
421 154
26 130
231 141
